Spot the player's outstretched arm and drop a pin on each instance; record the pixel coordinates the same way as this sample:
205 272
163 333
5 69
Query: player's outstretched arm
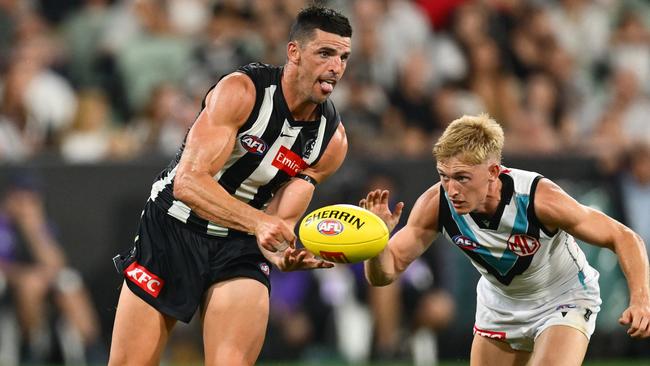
290 202
208 146
556 209
409 242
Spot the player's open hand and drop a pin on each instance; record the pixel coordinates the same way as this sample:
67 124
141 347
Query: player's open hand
274 234
295 259
377 202
637 316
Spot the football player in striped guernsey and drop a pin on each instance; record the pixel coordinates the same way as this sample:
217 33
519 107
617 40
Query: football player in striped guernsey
224 210
538 297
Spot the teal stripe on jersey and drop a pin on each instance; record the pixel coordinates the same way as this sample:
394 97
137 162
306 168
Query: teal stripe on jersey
521 220
503 265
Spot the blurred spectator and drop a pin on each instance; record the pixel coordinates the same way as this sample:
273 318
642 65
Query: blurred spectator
531 36
452 101
231 40
363 104
492 82
84 31
537 128
635 189
272 28
36 105
35 268
410 117
630 47
189 17
92 137
582 28
9 10
166 118
154 55
620 119
389 31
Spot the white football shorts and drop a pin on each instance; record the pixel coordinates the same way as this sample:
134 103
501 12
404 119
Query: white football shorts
519 321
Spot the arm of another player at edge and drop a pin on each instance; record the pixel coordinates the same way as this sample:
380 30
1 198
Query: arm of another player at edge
208 146
408 243
291 201
555 208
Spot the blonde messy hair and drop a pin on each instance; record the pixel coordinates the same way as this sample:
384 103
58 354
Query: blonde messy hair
473 139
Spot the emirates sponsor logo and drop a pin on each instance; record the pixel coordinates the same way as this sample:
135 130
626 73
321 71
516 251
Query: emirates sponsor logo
146 280
289 162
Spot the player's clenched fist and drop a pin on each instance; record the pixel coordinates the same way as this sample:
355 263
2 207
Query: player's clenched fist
273 234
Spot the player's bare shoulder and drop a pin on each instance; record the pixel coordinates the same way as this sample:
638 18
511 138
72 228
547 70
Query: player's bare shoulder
553 206
425 212
233 96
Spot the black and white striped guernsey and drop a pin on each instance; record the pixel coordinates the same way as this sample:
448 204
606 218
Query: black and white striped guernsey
270 148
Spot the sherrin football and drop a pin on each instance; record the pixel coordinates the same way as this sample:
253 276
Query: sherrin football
343 233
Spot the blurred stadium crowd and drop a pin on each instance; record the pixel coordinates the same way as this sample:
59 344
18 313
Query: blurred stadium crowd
90 81
94 80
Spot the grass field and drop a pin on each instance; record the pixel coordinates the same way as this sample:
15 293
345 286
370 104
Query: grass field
463 363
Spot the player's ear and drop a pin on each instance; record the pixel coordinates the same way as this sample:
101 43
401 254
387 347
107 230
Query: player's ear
494 169
293 52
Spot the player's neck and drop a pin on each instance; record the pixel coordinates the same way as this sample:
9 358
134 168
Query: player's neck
492 199
301 108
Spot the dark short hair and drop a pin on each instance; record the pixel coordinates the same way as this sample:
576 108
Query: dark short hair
318 17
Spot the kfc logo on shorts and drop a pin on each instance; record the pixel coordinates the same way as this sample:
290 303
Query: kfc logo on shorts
289 162
253 144
265 269
330 227
146 280
464 242
523 245
336 257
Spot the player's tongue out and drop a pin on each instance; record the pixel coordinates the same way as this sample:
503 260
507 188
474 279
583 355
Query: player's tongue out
326 86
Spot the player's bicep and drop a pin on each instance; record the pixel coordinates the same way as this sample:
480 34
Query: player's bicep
557 209
332 157
420 231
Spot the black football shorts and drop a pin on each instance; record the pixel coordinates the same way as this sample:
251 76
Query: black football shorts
171 266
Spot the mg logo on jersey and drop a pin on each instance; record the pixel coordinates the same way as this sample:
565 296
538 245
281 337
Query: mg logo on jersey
253 144
336 257
523 245
289 162
464 242
146 280
330 227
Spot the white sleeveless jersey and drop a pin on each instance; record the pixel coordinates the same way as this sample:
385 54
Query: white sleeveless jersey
516 256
